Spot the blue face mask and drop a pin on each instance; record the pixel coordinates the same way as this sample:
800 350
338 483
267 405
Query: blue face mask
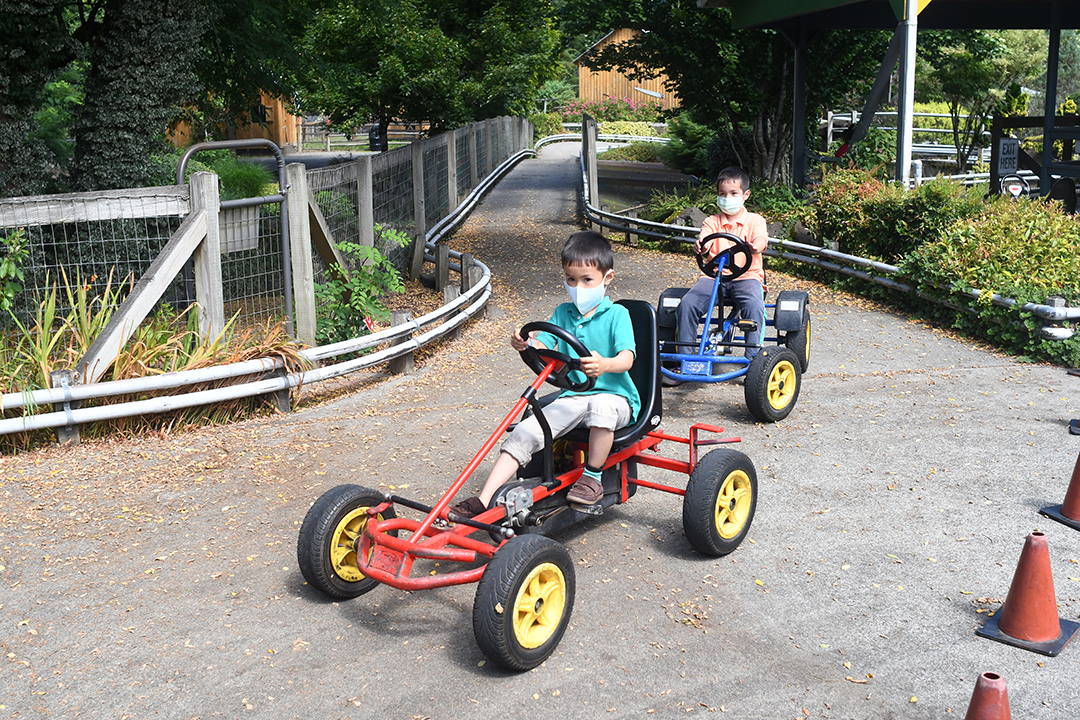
586 299
729 205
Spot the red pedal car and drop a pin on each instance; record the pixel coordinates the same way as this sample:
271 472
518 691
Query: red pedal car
352 539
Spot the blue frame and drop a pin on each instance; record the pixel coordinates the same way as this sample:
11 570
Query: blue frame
710 344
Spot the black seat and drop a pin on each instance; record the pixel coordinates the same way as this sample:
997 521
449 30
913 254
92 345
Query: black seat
646 376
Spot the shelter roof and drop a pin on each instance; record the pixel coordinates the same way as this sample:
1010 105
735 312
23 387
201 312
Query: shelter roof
885 14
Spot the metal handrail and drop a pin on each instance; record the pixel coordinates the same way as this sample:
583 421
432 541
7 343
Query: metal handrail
779 248
452 315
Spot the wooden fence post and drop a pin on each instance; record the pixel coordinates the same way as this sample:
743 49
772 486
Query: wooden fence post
450 294
419 212
451 170
303 270
207 257
404 364
442 266
365 211
474 174
66 434
471 275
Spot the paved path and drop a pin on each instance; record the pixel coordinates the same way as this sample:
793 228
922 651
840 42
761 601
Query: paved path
157 577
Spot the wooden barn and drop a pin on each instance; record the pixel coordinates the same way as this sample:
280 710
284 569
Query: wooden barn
595 86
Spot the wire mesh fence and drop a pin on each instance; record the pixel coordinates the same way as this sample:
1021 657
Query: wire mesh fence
89 241
462 168
392 199
252 266
436 185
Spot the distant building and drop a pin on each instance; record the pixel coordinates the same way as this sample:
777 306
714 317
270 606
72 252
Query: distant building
274 122
595 86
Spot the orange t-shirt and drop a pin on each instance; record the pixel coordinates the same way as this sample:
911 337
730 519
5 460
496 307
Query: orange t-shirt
747 225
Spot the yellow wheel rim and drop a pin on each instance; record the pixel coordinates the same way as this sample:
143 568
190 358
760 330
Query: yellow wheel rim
733 504
539 605
343 544
781 385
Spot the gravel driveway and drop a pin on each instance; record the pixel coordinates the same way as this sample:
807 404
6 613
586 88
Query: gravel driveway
157 576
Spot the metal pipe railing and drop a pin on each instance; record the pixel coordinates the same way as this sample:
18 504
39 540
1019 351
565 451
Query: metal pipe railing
452 315
778 248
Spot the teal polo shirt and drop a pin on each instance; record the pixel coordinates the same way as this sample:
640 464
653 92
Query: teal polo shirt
608 331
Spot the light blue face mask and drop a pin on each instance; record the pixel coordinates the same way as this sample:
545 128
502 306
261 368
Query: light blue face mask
729 205
586 299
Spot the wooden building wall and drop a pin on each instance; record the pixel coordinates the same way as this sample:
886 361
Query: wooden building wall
281 126
595 86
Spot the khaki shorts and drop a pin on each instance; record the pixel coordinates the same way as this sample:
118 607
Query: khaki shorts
603 410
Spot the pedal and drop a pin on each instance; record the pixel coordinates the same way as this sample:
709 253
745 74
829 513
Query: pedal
747 325
596 509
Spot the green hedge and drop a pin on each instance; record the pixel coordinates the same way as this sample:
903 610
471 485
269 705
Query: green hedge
546 124
946 238
626 127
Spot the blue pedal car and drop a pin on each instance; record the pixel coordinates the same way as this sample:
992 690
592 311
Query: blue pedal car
774 376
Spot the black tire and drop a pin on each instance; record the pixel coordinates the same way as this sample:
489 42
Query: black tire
772 384
523 602
720 501
326 547
799 341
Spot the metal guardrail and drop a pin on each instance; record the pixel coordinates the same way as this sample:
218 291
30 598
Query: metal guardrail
451 315
871 270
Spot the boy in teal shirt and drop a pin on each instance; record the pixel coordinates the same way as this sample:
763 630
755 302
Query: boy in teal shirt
612 403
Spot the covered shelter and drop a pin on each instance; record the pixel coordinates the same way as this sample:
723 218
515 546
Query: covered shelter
800 20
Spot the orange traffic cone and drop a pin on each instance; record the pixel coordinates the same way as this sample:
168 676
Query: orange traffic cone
1029 618
1068 512
990 701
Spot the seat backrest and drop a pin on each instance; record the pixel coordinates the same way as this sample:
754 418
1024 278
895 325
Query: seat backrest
646 376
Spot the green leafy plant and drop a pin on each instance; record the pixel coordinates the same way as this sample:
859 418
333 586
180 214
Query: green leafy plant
545 124
626 127
634 152
355 292
11 268
688 150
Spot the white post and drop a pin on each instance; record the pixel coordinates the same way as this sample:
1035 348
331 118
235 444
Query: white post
906 104
365 209
451 170
303 271
207 257
419 213
474 172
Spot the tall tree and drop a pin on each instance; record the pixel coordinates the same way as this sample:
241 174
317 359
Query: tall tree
421 60
740 82
141 55
36 47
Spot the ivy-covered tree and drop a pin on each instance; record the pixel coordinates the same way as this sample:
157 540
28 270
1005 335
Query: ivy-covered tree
35 46
141 56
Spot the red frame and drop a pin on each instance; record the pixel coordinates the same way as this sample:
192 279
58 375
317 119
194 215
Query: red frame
389 559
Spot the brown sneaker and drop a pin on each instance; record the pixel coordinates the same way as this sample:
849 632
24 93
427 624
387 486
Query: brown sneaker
585 491
470 507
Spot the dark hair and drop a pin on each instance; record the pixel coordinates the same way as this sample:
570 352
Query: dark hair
734 173
588 248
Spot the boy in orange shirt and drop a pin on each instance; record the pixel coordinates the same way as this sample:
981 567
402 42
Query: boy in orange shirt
747 291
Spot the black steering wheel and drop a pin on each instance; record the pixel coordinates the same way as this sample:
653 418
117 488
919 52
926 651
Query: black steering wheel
536 358
741 247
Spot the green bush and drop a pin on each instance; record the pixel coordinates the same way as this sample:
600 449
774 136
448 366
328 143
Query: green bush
664 206
634 152
882 221
1022 249
775 201
612 108
688 150
344 303
626 127
546 124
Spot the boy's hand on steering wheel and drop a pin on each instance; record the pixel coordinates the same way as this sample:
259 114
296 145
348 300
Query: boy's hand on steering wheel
594 365
517 342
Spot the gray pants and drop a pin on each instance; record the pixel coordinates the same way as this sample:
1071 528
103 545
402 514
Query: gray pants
603 410
748 296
